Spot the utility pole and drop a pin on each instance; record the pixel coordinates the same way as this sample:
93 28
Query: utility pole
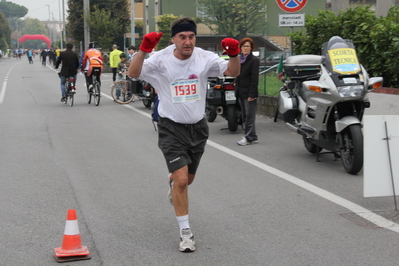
49 28
86 14
60 23
132 24
63 23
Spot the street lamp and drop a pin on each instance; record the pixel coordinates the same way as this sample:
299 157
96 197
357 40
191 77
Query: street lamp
60 23
49 22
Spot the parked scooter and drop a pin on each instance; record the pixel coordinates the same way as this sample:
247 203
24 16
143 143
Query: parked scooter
324 101
221 100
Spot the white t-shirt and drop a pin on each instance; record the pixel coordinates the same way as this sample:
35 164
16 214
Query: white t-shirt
182 84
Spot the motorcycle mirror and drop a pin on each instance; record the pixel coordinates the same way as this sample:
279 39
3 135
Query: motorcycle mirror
291 85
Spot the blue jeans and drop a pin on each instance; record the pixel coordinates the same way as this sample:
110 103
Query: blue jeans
63 80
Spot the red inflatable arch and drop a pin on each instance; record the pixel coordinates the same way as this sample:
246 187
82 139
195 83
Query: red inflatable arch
35 37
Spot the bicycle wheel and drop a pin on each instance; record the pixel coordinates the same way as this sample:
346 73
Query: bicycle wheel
120 92
89 94
97 93
71 97
66 92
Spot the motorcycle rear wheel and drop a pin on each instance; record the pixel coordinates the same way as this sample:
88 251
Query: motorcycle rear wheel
210 114
147 103
310 146
232 119
352 150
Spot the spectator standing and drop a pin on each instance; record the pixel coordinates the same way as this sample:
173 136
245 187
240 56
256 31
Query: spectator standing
114 60
246 86
132 52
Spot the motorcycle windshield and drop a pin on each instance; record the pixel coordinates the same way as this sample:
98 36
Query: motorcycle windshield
341 57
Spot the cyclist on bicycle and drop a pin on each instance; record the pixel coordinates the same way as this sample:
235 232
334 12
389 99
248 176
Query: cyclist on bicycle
70 66
92 60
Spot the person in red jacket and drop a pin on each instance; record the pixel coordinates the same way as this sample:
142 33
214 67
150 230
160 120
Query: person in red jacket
92 60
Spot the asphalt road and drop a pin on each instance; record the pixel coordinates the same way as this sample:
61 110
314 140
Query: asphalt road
265 204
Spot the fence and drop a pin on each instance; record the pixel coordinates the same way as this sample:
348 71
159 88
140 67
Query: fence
269 86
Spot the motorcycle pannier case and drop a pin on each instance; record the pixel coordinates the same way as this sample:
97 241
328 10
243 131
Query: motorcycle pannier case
288 106
302 67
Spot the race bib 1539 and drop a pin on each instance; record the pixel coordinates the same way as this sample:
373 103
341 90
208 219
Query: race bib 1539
186 90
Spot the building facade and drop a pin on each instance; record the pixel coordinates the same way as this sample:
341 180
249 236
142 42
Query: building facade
381 7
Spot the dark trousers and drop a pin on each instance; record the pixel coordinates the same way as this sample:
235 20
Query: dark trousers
114 73
248 110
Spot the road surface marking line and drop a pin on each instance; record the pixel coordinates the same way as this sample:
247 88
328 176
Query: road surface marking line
359 210
4 87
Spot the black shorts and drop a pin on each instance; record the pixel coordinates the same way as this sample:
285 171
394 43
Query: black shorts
182 144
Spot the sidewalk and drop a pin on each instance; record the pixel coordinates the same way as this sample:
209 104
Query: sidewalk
387 90
383 103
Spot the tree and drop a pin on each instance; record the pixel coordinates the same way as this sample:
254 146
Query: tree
163 23
12 10
5 32
103 26
118 9
233 18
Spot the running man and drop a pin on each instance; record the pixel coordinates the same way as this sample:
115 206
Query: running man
179 73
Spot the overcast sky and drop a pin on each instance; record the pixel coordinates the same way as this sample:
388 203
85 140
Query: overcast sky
39 9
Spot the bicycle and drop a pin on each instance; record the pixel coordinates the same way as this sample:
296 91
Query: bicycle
96 91
121 91
70 90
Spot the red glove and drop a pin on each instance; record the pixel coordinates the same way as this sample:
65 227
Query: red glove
150 40
231 47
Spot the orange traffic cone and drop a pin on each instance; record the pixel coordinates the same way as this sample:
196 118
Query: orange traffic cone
72 248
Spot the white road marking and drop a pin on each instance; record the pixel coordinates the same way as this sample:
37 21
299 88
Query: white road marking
4 87
359 210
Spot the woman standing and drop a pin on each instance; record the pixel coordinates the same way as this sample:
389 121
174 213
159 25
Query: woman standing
247 90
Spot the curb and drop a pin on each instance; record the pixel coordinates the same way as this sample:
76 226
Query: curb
387 90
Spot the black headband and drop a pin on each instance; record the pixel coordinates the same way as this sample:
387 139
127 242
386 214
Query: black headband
184 27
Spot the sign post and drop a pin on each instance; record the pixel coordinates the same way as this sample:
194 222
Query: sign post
291 20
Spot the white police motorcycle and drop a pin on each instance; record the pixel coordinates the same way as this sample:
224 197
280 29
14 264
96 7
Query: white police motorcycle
324 101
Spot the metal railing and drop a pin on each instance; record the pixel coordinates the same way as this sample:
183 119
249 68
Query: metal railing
269 84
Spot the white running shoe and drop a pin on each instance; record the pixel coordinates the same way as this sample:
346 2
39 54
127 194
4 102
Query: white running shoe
243 142
187 243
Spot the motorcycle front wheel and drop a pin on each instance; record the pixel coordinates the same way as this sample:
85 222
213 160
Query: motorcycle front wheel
232 119
352 150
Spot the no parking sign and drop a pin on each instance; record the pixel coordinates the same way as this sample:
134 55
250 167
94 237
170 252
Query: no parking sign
291 6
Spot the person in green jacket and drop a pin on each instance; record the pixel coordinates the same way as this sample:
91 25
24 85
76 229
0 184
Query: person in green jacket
114 60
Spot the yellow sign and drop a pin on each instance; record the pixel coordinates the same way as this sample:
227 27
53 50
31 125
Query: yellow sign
344 60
